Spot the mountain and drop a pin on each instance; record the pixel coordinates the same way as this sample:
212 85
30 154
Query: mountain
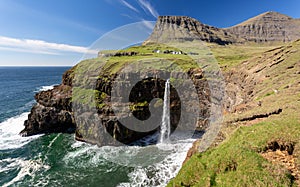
267 27
183 28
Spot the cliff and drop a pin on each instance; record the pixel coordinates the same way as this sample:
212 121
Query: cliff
84 102
183 28
53 111
92 100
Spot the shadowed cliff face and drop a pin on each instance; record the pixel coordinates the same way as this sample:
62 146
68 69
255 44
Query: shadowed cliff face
112 124
55 109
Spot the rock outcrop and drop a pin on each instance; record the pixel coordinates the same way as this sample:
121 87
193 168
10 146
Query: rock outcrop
52 113
64 108
105 125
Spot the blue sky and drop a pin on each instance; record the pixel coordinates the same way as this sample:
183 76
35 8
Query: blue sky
59 32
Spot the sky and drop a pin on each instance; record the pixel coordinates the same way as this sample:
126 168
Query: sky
61 32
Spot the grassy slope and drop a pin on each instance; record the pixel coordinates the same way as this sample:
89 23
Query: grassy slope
237 160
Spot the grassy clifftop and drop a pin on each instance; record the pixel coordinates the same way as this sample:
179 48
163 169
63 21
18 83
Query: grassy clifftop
259 144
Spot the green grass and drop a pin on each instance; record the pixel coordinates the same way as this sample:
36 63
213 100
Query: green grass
89 97
233 55
237 162
154 61
145 60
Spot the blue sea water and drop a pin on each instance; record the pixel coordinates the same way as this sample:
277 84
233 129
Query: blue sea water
19 84
59 160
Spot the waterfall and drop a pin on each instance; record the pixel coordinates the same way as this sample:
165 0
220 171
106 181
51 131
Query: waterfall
165 128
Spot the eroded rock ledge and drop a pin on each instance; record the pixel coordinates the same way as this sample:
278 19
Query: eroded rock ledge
52 113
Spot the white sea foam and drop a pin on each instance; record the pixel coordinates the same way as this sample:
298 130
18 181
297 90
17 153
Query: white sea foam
26 168
9 133
52 141
154 165
45 88
159 174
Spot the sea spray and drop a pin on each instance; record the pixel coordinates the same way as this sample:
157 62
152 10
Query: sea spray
9 133
165 126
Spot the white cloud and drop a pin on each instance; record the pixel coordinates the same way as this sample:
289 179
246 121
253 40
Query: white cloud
129 6
147 7
27 50
39 46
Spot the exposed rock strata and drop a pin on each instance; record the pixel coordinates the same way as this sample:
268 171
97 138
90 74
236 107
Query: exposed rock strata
183 28
267 27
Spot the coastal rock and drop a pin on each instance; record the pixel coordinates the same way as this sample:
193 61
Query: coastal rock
64 108
103 126
52 113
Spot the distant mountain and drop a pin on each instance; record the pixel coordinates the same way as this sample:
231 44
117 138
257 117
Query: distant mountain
267 27
183 28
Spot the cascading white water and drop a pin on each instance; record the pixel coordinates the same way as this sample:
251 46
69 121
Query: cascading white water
165 126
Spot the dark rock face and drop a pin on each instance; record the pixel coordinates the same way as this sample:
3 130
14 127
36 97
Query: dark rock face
183 28
103 126
52 113
56 110
268 27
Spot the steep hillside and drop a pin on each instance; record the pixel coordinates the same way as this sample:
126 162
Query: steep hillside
260 143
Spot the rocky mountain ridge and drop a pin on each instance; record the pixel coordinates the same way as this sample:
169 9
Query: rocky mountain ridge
266 27
183 28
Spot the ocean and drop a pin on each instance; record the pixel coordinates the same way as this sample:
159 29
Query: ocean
58 159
